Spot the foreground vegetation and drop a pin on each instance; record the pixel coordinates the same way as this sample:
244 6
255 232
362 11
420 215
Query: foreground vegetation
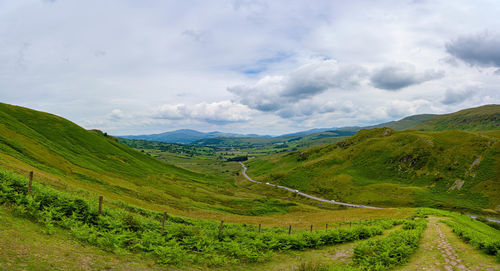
393 250
196 242
182 240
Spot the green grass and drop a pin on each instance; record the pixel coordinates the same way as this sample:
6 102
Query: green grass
393 250
91 163
88 164
183 241
26 246
384 167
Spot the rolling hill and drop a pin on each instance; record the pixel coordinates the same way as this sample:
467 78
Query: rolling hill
385 167
483 118
91 163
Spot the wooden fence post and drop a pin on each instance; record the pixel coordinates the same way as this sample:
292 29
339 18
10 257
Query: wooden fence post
163 222
326 228
30 182
220 228
100 206
259 228
290 229
311 228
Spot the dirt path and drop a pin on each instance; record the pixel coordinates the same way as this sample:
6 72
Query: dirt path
441 249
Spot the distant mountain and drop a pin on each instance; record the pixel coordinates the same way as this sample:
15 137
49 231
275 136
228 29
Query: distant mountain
473 119
187 136
483 118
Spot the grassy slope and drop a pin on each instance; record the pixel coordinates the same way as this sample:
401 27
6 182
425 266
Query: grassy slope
404 123
390 168
89 164
25 246
481 118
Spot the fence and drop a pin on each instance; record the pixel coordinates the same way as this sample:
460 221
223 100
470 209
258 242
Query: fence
260 228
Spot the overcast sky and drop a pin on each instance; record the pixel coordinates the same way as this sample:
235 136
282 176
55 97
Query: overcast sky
266 67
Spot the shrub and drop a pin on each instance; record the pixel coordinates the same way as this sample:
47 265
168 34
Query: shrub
394 249
183 240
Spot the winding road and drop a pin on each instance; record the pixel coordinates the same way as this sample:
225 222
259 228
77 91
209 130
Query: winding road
304 194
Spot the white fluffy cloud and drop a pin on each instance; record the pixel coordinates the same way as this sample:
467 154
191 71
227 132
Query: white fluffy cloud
290 95
217 112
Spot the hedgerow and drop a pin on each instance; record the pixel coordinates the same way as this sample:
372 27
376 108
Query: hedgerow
183 239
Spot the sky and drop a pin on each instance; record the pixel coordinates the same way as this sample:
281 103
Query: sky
247 66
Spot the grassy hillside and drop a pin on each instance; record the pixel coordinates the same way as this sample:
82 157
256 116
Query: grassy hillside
404 123
90 163
384 167
481 118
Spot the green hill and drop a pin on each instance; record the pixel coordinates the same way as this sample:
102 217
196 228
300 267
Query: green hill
483 118
384 167
91 163
405 123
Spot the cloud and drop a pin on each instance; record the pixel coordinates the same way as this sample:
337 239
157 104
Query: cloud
401 75
217 112
185 54
280 93
401 108
117 114
478 50
307 108
199 36
457 96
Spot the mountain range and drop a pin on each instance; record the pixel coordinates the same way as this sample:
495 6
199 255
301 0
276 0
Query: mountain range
473 119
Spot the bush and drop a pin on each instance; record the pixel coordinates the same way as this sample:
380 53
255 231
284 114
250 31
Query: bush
183 240
394 249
